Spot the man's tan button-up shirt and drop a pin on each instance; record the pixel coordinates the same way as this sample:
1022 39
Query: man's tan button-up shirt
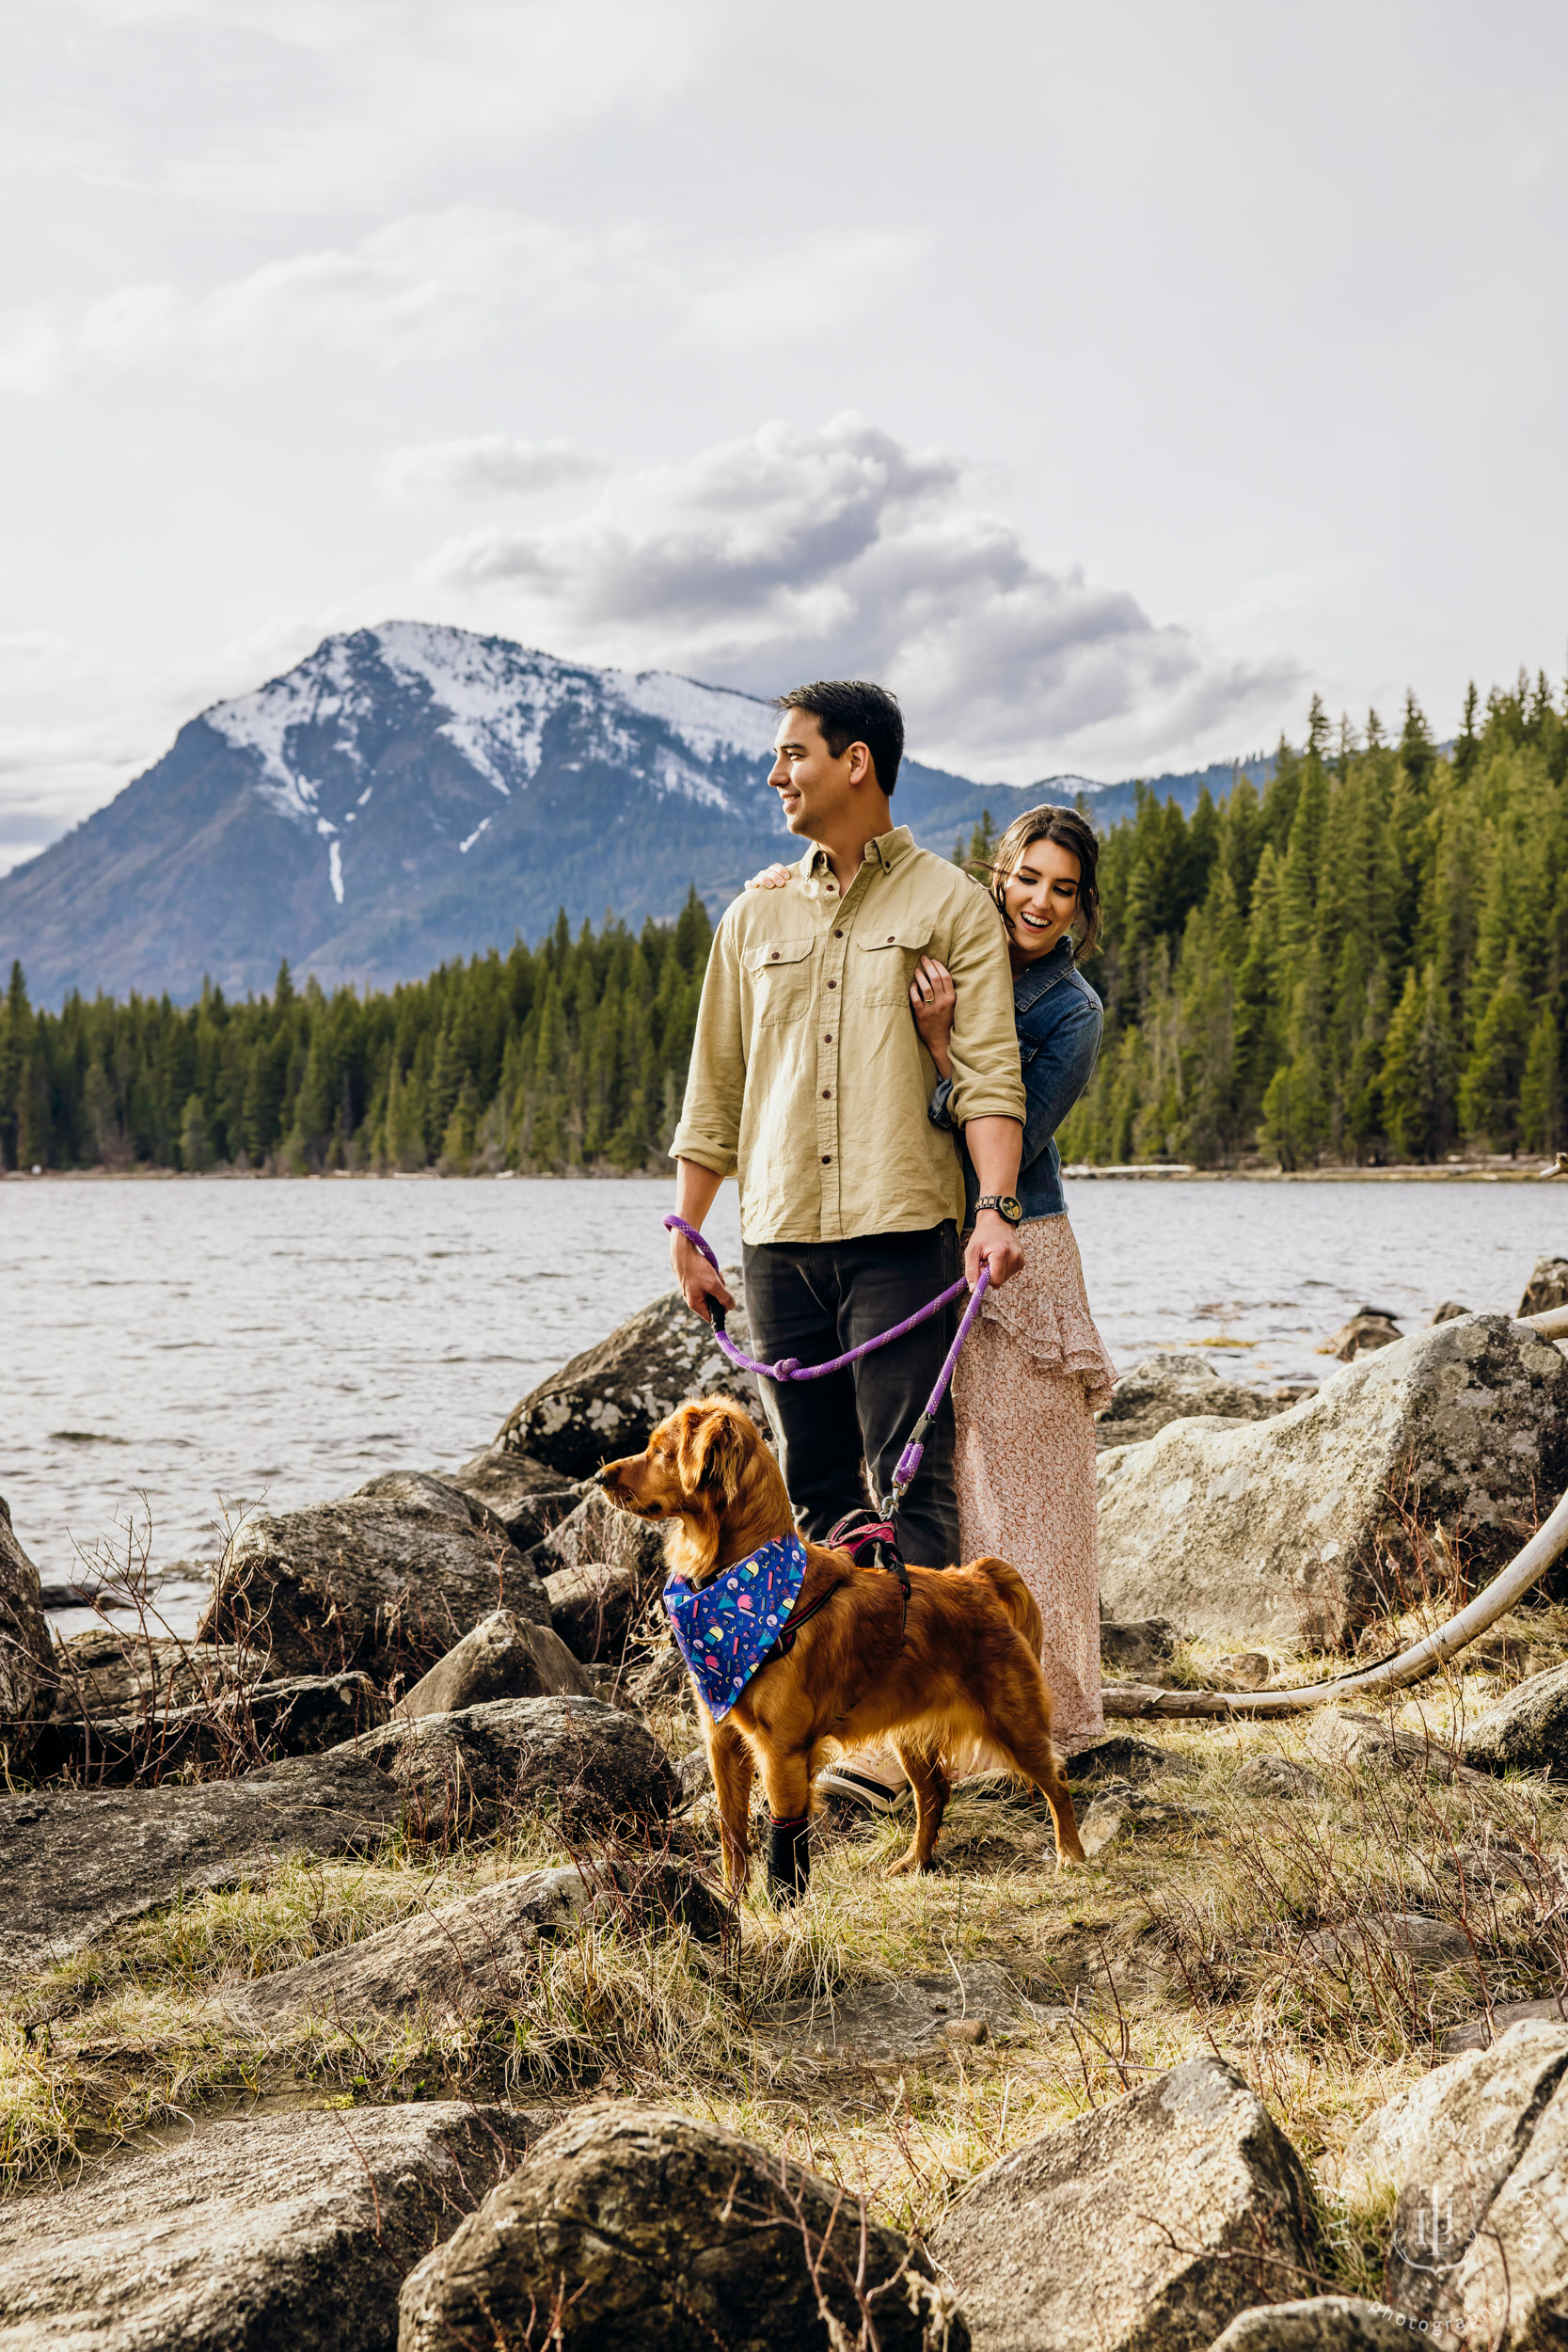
809 1080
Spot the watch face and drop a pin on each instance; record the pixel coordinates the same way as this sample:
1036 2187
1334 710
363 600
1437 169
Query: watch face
1011 1209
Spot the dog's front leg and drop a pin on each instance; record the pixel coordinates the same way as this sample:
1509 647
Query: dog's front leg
788 1780
731 1764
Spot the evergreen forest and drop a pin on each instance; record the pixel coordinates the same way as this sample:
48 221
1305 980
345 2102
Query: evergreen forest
1367 961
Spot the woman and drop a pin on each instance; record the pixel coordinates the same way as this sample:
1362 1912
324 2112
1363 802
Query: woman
1035 1371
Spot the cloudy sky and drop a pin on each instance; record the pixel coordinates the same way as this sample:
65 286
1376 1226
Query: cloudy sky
1105 378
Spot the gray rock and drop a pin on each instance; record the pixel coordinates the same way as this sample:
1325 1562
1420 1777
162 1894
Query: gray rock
1247 1669
1366 1945
1367 1329
1137 1649
694 1778
528 1497
1548 1287
893 2019
1119 1757
74 1863
1362 1743
231 1733
1477 2151
609 1400
104 1672
1325 2323
385 1580
1282 1531
1272 1776
1483 2031
1527 1731
593 1609
1151 2221
473 1958
578 1761
24 1644
648 2232
1449 1311
504 1656
1169 1387
597 1534
1120 1811
278 2231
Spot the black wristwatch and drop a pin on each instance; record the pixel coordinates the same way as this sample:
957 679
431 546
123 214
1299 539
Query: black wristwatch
1004 1205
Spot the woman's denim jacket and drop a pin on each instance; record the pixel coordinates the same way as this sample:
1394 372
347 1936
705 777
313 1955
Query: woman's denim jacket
1059 1020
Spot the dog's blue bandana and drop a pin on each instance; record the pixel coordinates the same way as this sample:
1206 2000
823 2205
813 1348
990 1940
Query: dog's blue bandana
725 1630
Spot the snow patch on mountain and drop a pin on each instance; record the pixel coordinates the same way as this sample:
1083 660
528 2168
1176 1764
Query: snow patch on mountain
710 719
322 687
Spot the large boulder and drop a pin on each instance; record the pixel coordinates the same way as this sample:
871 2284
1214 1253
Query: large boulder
291 2230
1151 2221
1548 1287
645 2231
232 1732
504 1656
385 1579
1168 1387
1527 1731
1285 1532
609 1400
597 1534
1478 2154
473 1958
528 1497
76 1863
574 1760
24 1644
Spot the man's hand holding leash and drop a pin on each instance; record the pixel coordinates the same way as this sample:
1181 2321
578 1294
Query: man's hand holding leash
696 1188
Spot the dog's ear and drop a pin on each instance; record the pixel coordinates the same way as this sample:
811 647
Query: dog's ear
720 1456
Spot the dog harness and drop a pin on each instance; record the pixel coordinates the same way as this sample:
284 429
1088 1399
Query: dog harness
727 1630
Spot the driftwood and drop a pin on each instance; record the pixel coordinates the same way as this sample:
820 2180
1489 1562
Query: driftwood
1138 1699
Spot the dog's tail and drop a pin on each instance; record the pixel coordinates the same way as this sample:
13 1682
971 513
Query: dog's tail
1015 1597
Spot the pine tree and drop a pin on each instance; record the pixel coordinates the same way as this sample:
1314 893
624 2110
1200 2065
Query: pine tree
1541 1093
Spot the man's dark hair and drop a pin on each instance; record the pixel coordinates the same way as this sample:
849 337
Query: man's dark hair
852 711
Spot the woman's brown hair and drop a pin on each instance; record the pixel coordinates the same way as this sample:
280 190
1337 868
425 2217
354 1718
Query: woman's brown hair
1068 831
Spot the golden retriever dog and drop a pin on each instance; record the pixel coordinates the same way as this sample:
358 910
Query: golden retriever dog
963 1671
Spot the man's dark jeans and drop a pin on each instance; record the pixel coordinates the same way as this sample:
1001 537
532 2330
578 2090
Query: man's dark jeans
814 1299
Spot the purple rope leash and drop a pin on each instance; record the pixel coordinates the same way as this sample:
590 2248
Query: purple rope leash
789 1369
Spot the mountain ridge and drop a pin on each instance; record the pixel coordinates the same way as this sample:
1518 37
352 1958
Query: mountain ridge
414 792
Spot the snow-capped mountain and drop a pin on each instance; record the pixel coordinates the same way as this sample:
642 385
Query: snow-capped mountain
409 794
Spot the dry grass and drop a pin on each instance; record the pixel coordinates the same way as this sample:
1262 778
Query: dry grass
1190 1932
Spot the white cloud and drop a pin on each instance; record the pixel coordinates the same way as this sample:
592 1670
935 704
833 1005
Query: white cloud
793 554
490 465
434 284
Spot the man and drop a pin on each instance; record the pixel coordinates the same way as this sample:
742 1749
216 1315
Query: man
810 1082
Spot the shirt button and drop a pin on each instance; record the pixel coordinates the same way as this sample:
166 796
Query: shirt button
833 983
775 956
829 1039
838 934
889 939
827 1156
826 1094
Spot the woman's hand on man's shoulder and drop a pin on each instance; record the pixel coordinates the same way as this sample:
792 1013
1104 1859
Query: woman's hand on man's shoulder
771 878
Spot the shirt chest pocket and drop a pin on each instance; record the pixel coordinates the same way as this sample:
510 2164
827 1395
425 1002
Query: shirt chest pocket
885 963
780 973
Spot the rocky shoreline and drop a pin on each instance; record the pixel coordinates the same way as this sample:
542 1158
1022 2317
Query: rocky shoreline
397 1886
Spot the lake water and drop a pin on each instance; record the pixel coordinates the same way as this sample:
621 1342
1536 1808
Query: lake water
180 1346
